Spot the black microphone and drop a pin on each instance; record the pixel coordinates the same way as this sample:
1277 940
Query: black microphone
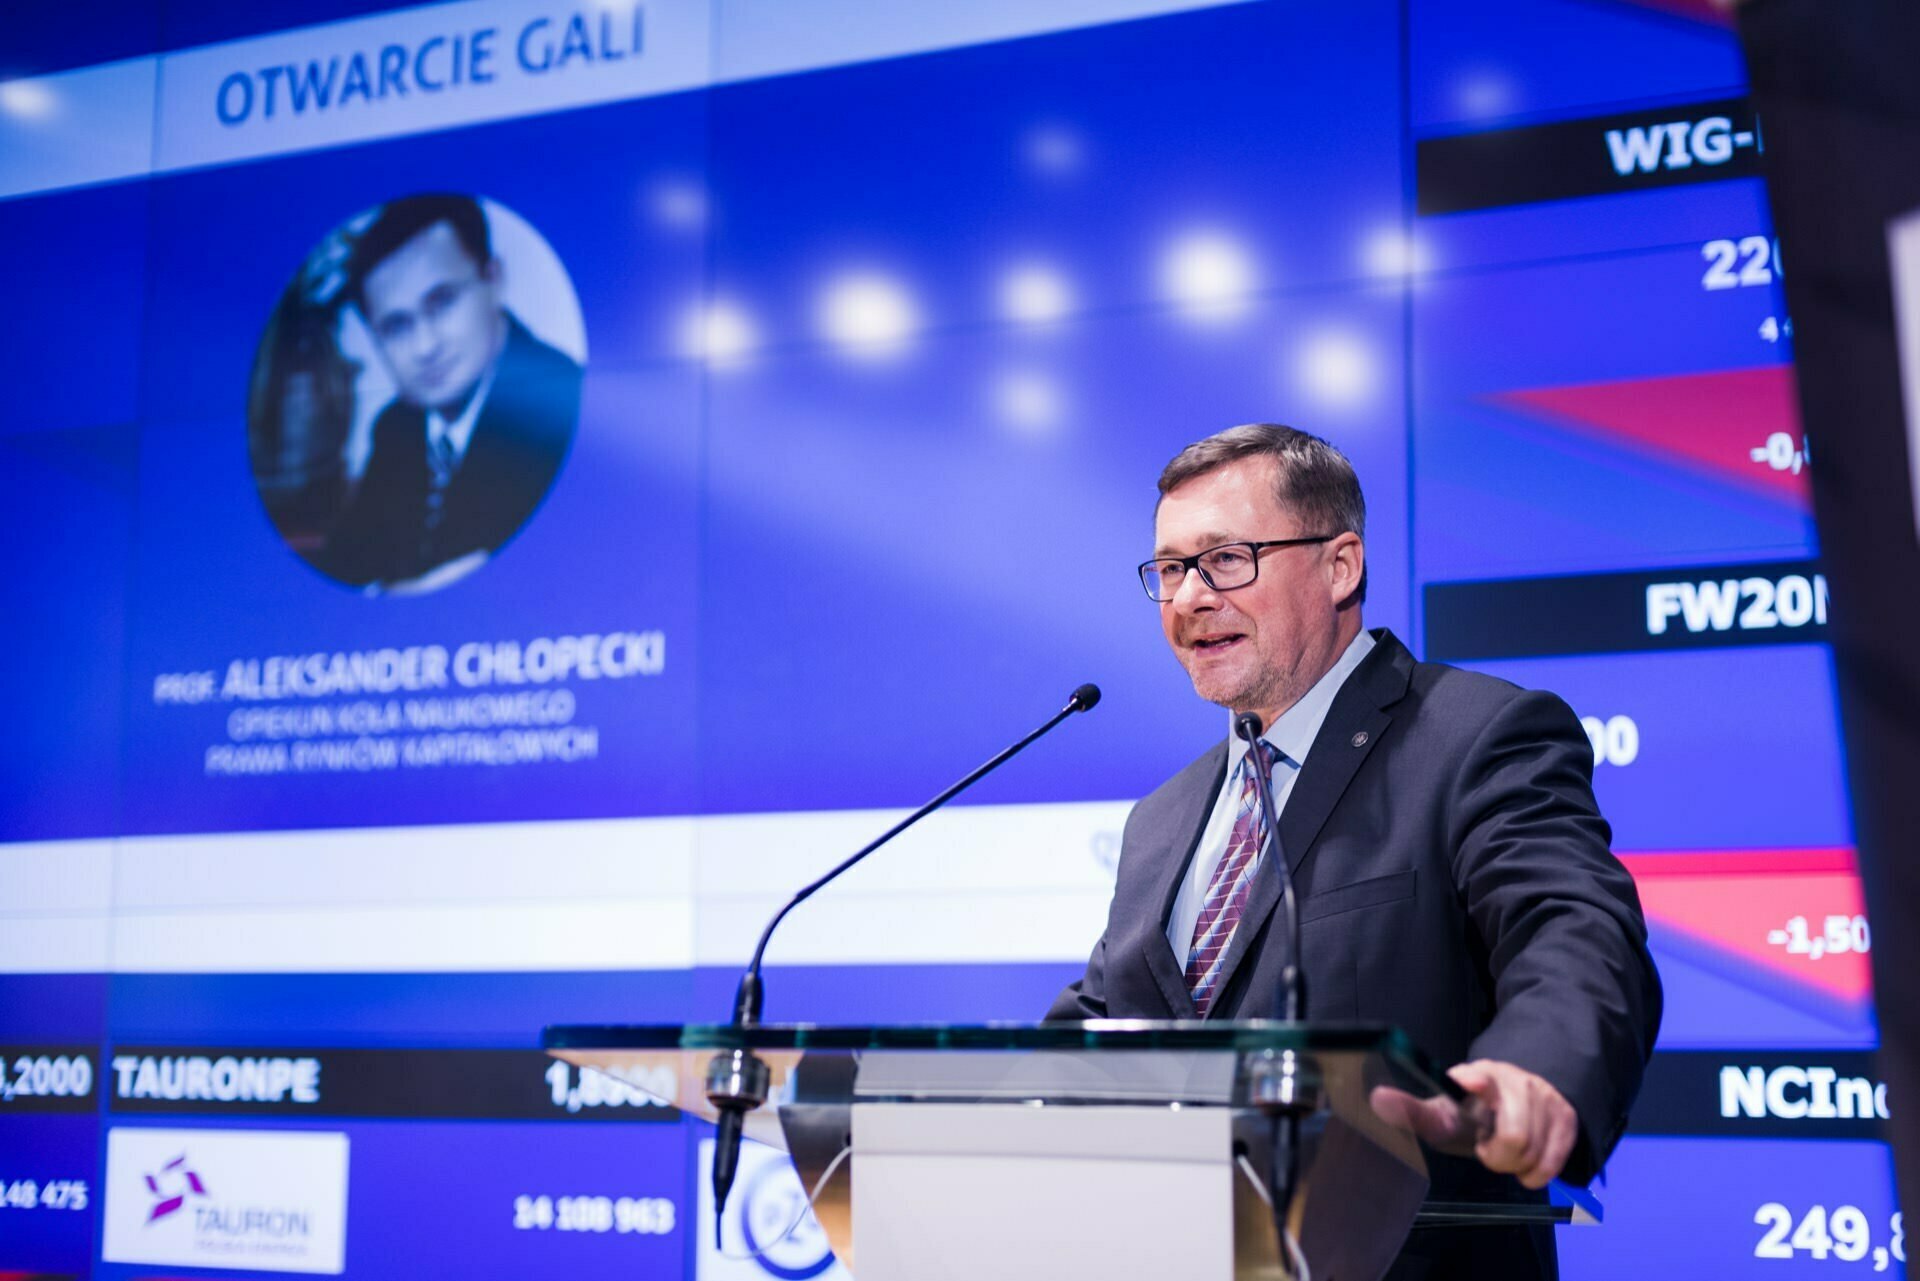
1288 1101
737 1081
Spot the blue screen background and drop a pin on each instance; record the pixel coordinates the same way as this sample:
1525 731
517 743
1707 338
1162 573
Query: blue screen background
873 568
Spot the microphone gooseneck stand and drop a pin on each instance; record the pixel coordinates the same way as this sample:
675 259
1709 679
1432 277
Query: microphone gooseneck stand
737 1080
1285 1088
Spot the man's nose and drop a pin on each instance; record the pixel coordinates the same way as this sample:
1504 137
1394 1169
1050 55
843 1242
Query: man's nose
424 341
1194 592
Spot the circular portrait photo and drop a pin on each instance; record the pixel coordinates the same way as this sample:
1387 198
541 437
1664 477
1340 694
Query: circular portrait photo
416 392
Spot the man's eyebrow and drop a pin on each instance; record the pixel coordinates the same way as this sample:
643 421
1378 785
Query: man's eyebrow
1207 542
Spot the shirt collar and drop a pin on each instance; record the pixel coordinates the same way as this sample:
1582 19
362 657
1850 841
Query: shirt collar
460 430
1293 733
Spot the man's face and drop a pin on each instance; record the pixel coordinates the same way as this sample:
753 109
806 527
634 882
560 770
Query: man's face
436 314
1256 648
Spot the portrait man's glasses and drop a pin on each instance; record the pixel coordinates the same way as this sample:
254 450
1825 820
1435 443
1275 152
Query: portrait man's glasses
399 326
1222 568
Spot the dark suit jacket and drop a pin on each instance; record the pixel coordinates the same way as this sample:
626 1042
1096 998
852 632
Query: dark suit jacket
519 441
1454 878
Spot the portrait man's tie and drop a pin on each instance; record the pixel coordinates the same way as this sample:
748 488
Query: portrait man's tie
441 462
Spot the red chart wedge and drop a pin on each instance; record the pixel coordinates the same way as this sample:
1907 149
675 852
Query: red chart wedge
1705 11
1793 916
1737 426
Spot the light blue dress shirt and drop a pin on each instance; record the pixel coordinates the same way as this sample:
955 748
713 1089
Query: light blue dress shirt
1293 734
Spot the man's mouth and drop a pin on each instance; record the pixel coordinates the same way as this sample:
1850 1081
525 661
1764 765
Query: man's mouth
1215 644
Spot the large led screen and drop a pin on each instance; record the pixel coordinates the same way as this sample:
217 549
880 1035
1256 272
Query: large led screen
417 641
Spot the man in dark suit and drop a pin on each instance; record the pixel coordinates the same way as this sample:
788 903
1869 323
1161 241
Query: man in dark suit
1453 870
485 412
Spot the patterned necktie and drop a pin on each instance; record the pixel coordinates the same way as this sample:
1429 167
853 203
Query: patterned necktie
441 458
441 461
1227 891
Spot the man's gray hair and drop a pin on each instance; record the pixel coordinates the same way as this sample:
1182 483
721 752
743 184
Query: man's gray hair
1316 482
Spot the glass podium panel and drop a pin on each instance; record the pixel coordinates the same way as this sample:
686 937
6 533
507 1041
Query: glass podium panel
1081 1100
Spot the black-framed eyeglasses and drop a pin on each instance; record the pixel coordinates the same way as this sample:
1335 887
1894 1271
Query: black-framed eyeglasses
1222 568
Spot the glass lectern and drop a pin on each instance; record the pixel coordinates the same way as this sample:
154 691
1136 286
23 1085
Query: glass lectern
1109 1149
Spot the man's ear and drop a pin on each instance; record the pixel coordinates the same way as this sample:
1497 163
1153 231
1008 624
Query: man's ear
1348 567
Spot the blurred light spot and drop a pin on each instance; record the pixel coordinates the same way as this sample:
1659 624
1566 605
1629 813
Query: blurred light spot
1481 93
27 99
867 313
1035 295
679 203
718 331
1055 149
1028 400
1208 274
1390 251
1336 368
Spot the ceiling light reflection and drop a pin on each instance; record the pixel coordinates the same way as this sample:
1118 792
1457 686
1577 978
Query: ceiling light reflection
1028 401
1055 149
868 314
1336 369
1391 251
1209 274
1035 295
1480 94
718 331
679 202
27 99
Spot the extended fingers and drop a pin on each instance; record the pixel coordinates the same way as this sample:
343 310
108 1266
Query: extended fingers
1562 1131
1533 1127
1509 1148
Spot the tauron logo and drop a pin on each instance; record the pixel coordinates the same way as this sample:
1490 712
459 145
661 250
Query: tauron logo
171 1186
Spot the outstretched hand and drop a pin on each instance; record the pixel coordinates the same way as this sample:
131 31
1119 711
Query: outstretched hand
1513 1121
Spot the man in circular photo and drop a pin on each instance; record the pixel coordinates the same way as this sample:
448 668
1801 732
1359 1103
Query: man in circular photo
482 411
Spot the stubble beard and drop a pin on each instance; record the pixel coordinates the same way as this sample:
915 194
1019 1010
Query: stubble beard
1257 691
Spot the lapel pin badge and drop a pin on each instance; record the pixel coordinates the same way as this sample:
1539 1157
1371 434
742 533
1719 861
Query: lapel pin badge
1360 739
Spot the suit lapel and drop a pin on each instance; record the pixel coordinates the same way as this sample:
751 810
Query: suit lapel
1353 728
489 459
496 461
1174 856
